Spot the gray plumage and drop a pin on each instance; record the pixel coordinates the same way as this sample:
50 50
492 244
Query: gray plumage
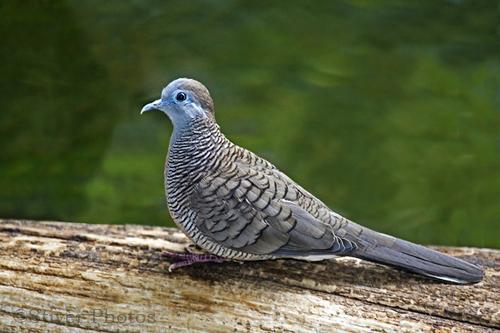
237 205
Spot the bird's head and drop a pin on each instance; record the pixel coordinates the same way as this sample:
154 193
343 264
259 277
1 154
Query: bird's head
183 100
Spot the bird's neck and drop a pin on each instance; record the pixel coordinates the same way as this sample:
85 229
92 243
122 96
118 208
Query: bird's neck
190 130
196 147
193 151
195 132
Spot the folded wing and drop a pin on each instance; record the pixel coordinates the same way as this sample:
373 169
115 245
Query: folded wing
250 211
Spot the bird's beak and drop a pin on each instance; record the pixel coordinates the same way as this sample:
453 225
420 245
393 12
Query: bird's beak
156 105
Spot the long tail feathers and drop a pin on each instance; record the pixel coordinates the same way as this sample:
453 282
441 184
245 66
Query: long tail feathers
381 248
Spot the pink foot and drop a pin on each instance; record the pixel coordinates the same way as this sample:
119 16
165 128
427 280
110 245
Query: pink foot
188 259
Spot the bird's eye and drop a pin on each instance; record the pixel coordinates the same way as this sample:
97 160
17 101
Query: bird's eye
180 97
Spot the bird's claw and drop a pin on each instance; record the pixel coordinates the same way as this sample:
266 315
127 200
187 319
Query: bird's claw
188 259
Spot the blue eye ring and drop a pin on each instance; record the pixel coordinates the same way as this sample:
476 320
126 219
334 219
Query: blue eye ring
180 97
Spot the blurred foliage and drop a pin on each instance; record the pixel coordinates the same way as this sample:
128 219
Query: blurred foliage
388 111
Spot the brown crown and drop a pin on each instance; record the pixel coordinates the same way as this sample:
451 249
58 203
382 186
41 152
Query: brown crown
200 91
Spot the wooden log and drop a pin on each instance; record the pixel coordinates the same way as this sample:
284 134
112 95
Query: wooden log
68 277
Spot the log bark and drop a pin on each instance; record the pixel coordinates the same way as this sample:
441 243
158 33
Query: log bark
69 277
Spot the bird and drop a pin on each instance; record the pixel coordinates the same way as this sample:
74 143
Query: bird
238 206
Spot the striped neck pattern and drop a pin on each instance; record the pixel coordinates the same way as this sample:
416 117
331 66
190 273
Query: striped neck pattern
197 148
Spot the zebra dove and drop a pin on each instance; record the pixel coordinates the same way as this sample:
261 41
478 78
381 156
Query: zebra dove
238 206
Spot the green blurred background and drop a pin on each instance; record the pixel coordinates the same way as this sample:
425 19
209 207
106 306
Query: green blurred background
388 111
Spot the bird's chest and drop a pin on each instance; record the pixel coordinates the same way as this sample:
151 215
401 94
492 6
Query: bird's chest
179 186
184 168
192 154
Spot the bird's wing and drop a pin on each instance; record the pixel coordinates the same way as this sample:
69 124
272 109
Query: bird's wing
247 210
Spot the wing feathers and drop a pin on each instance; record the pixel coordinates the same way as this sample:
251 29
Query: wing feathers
251 211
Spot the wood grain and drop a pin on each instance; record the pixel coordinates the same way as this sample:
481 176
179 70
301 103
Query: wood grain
68 277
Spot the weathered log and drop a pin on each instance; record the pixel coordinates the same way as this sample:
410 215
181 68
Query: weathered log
68 277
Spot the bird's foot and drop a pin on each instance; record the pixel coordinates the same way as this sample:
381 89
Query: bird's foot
188 259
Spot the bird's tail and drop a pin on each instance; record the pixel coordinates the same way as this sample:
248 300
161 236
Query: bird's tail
385 249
